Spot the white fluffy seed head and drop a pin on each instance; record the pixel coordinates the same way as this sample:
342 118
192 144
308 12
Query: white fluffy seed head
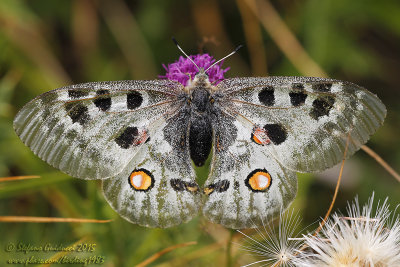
274 246
364 238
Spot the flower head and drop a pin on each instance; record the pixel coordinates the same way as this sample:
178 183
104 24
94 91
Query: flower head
275 246
365 238
183 70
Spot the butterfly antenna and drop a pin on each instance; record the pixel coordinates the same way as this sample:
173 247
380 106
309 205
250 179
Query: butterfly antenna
233 52
183 52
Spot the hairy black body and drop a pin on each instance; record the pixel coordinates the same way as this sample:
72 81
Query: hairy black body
200 131
200 122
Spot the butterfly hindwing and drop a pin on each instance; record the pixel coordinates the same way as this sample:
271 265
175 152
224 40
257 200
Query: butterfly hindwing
93 130
304 121
246 185
158 188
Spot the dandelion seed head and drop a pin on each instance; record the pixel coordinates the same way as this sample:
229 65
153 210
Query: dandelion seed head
367 237
274 246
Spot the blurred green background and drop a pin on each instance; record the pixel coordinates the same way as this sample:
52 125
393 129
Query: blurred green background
46 44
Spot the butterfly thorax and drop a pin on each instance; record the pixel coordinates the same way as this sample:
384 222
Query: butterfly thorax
200 100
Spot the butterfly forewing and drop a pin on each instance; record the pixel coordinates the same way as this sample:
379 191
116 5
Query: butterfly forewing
306 120
93 130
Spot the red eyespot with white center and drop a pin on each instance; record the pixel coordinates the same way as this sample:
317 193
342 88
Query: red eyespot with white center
141 180
258 180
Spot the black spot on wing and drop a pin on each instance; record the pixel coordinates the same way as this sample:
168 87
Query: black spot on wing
103 100
222 186
125 140
297 98
219 187
322 106
298 95
266 96
179 185
276 133
77 112
191 187
134 99
77 93
322 87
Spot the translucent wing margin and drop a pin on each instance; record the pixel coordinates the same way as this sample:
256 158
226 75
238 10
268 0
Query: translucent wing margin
93 130
306 120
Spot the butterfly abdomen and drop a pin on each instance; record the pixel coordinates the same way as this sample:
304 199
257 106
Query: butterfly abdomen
200 139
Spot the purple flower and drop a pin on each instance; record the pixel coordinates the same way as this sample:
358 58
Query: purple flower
183 69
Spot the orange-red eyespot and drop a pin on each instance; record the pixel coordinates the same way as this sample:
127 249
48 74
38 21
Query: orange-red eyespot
259 136
258 180
141 180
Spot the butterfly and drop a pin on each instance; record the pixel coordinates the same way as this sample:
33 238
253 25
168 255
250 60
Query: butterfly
141 138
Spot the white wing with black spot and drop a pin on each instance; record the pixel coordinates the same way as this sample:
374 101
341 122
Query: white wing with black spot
304 122
93 130
246 185
158 188
268 129
135 136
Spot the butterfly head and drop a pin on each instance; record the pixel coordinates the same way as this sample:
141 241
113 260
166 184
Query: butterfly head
199 91
188 70
196 69
200 79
